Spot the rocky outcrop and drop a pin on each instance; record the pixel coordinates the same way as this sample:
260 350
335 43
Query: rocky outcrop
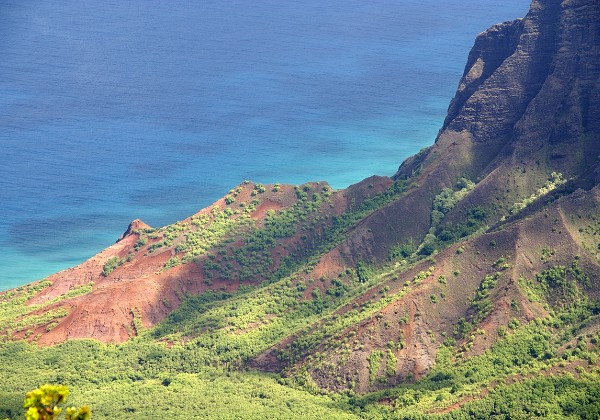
134 227
491 49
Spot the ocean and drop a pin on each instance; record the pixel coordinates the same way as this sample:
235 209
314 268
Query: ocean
117 110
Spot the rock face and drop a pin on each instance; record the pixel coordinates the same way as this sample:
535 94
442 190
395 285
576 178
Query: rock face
491 49
530 87
134 227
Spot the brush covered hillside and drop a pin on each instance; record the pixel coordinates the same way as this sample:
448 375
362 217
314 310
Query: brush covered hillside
467 285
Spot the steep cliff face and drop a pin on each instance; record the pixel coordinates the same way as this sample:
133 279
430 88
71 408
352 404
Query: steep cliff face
491 49
529 88
525 107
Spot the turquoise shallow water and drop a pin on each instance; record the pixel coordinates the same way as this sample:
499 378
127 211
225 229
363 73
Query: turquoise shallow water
111 111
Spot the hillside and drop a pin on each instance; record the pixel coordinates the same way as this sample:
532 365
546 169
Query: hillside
468 284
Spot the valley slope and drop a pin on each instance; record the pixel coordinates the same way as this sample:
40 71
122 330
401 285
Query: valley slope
476 264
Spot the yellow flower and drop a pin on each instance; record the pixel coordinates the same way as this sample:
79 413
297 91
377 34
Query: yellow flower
32 414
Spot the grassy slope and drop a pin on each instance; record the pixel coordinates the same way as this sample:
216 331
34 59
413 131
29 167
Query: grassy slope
185 363
145 380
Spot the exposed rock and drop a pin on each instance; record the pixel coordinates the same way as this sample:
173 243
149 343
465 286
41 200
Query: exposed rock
134 227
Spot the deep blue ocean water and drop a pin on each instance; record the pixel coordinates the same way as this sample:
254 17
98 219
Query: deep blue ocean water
114 110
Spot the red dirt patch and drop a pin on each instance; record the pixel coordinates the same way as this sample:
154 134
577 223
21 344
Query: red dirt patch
264 207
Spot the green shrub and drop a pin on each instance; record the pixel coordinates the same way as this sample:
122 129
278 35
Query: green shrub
110 266
140 243
427 249
172 262
374 360
402 251
362 272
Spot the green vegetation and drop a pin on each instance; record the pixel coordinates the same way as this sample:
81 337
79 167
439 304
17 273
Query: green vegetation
110 266
559 397
481 304
563 285
253 261
474 221
114 262
442 234
391 362
140 243
385 326
150 380
172 262
447 199
554 181
362 272
374 362
192 364
402 251
15 315
198 361
511 379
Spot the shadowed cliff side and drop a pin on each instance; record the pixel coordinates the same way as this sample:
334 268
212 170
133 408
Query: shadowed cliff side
524 128
527 106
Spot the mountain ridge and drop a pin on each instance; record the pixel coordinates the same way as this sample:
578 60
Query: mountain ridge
489 234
